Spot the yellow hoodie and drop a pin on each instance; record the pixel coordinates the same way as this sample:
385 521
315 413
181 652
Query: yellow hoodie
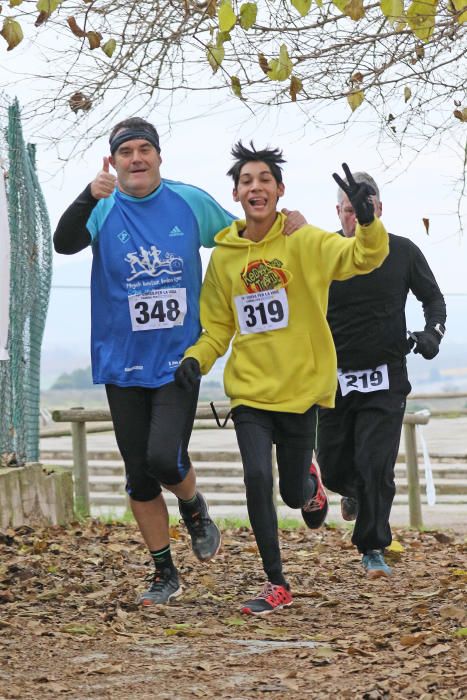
279 363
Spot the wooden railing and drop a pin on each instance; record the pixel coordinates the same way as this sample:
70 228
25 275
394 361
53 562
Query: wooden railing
79 418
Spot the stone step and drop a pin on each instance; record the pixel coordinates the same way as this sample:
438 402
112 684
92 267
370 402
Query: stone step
223 470
233 485
229 455
232 499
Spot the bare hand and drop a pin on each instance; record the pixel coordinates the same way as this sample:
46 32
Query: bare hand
293 222
104 183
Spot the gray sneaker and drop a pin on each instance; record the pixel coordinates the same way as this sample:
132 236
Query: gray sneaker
164 587
349 508
374 564
204 533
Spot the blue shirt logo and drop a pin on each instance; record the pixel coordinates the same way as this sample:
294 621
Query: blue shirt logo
123 236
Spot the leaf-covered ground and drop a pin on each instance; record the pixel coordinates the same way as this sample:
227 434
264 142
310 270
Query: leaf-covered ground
70 627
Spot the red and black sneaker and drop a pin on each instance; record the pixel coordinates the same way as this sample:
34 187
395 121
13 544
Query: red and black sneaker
315 510
271 598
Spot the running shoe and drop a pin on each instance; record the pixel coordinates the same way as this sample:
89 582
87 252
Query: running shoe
373 562
163 588
349 508
315 510
204 533
271 598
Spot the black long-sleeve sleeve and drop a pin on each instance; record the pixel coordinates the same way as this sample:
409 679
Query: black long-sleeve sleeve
366 313
71 234
424 286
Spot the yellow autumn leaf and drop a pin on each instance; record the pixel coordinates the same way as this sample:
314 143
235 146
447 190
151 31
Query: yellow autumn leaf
392 9
421 17
48 6
280 68
15 3
215 56
248 12
302 6
461 114
460 6
395 546
354 9
222 37
226 16
236 87
340 4
109 47
407 94
355 99
11 32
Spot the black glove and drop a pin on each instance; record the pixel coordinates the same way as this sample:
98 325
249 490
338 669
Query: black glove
426 343
359 194
188 374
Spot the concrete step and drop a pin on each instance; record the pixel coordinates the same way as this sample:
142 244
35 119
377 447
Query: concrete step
227 455
238 499
228 469
233 485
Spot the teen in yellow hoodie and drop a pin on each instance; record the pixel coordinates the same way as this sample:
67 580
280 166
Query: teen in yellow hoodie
269 293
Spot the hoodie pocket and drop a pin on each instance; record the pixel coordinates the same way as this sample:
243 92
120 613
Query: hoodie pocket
270 367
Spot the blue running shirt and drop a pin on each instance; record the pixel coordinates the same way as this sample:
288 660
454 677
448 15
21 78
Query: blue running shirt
146 281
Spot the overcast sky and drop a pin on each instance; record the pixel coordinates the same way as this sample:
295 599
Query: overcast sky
196 138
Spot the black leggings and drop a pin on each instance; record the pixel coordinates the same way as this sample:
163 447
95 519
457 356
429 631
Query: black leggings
153 429
294 435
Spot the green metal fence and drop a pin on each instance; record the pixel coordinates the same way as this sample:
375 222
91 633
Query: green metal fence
30 279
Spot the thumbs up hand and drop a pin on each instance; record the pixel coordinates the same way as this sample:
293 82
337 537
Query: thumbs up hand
104 183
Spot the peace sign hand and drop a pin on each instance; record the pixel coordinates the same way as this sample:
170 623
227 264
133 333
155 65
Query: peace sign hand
359 194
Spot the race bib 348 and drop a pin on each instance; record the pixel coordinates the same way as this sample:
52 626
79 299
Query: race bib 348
158 308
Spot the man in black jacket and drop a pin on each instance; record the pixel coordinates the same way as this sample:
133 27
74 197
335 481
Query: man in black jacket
358 440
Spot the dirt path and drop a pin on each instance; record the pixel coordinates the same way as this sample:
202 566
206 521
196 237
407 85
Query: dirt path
69 625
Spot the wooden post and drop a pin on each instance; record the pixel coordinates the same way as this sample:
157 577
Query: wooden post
413 483
80 466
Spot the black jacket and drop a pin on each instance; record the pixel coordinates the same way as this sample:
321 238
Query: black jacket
367 313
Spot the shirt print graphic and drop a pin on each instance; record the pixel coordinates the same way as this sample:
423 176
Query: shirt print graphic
261 275
151 263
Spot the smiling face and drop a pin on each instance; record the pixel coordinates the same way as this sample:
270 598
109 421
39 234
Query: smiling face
258 191
137 163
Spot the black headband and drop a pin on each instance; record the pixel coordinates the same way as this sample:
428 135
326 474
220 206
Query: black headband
130 134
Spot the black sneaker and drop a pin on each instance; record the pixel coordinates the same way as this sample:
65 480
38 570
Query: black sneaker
315 510
349 508
204 533
164 587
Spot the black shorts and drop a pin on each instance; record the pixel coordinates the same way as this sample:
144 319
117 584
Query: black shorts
153 428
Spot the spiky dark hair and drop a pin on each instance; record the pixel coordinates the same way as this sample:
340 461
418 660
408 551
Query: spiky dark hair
242 155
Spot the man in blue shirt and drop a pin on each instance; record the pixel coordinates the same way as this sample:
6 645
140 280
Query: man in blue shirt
145 234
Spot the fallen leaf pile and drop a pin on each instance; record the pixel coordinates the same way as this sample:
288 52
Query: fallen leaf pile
70 626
